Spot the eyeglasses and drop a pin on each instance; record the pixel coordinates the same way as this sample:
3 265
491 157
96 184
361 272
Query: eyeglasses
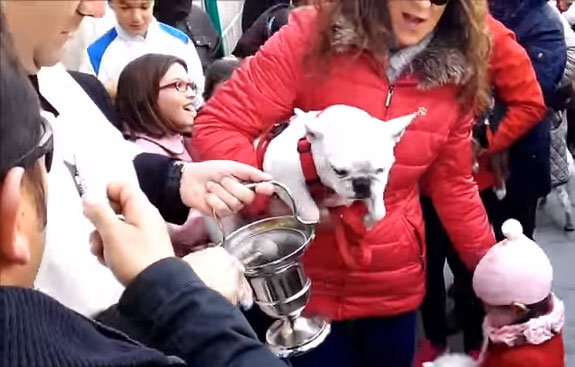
44 148
181 86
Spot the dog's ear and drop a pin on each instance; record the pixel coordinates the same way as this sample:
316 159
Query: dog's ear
397 126
313 129
298 112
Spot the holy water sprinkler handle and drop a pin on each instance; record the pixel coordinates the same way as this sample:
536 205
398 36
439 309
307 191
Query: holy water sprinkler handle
252 186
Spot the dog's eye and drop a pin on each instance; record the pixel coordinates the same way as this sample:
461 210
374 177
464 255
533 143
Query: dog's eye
379 171
341 172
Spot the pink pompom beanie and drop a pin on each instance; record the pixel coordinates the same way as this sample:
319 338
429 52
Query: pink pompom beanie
514 270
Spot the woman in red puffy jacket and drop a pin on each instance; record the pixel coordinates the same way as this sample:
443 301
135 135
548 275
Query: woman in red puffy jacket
389 58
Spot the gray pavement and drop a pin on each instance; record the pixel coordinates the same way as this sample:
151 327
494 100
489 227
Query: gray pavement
560 247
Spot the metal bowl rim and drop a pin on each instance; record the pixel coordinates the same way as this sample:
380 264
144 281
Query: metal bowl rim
254 270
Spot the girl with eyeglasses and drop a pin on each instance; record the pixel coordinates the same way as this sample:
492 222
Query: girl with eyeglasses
390 58
155 103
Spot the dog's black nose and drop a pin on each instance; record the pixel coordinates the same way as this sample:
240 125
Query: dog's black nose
361 187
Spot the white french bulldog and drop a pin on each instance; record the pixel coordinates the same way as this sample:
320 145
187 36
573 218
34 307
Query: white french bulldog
353 153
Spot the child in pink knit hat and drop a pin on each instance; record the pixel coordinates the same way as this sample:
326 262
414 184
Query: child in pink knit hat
524 320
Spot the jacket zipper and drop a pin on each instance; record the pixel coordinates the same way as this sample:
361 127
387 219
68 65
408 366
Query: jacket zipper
388 99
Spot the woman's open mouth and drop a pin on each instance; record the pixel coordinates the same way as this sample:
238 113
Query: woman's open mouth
412 20
190 108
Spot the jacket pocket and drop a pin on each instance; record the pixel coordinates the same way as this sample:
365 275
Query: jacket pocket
416 237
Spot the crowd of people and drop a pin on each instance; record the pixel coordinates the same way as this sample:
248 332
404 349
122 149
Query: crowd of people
124 127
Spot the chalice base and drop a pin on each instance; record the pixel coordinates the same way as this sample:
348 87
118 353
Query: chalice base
291 337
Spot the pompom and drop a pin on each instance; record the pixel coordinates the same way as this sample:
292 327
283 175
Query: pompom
512 229
452 360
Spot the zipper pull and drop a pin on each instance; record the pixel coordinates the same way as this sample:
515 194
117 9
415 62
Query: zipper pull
389 96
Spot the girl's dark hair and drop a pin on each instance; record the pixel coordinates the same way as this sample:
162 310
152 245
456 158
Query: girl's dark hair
137 97
538 309
219 71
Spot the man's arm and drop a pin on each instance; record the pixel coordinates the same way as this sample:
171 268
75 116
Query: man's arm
164 296
183 317
543 38
516 86
159 178
209 187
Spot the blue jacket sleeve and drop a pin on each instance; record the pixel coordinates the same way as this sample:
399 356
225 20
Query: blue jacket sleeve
183 317
541 33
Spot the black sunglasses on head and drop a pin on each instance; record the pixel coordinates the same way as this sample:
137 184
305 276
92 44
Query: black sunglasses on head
439 2
44 148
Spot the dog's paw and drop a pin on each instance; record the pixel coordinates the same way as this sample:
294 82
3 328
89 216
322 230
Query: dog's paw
368 222
500 193
376 212
309 213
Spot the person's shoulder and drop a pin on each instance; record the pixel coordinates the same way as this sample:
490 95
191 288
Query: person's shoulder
174 33
547 354
304 16
97 49
104 41
497 28
542 17
151 145
301 31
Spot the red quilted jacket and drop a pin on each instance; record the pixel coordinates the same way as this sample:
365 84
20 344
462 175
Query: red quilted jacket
513 78
356 273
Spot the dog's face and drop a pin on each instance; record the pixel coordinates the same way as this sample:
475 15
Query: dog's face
353 152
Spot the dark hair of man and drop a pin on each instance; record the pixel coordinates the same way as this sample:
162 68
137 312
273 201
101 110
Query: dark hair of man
137 96
219 71
20 120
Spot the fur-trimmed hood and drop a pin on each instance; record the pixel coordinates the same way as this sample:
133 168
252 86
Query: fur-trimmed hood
440 63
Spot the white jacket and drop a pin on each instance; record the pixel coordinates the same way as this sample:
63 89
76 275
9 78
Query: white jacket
90 30
108 55
569 14
82 136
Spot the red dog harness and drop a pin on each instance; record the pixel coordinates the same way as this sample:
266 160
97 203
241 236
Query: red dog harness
354 254
315 187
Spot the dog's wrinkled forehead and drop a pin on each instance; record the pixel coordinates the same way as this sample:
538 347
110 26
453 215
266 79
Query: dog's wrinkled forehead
352 136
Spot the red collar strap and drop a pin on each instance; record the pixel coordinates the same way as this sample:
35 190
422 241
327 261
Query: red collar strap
317 190
315 187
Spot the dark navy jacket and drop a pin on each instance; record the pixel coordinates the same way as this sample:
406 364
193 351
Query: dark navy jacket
539 30
187 324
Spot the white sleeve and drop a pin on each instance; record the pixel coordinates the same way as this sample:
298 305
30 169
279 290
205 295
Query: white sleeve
570 15
85 64
195 70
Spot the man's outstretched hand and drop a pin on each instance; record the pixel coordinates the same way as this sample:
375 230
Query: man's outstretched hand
216 186
131 235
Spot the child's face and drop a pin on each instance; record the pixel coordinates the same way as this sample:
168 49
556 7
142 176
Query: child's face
134 16
499 316
176 98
